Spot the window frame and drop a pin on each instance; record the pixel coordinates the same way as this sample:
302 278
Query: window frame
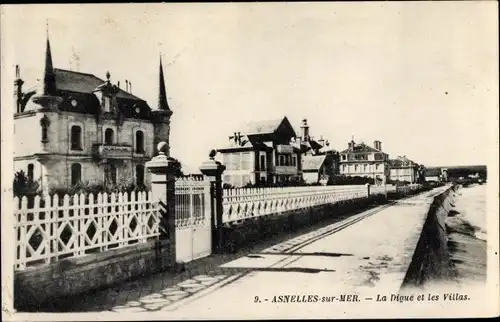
136 142
105 137
80 140
31 172
143 171
72 176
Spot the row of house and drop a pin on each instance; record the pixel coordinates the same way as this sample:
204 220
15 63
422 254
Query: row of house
272 152
73 127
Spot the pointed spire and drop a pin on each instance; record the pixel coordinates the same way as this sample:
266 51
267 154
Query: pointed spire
162 93
49 77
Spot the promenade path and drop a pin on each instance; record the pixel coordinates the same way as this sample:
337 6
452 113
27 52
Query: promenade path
362 259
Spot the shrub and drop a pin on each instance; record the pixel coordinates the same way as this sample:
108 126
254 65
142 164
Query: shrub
347 180
22 186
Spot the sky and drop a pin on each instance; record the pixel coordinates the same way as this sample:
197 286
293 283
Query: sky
420 77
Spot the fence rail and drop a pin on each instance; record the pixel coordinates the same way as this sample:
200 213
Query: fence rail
247 203
52 228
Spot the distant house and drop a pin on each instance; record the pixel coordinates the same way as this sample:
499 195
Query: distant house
270 152
432 174
262 152
404 170
365 161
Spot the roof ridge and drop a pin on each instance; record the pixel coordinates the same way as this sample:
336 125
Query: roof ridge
75 72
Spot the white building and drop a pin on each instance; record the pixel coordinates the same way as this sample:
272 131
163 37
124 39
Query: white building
365 161
404 170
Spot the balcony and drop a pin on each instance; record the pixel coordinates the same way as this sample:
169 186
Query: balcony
104 151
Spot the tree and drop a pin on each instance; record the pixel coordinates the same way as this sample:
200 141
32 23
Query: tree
22 186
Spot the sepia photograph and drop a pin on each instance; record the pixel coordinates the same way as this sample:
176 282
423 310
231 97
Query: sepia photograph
281 160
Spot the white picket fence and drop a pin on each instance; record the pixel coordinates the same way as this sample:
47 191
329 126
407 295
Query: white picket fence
244 203
74 226
51 228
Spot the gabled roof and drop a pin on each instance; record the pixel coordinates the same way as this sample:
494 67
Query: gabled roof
71 81
267 127
312 162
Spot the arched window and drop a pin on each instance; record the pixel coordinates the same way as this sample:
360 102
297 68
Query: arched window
108 137
76 137
30 172
44 123
139 142
110 174
139 175
76 173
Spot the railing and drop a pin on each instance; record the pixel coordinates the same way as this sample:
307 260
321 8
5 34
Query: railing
376 190
52 228
192 201
246 203
113 151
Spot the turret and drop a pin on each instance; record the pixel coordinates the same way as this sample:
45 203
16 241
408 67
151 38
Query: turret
46 95
162 114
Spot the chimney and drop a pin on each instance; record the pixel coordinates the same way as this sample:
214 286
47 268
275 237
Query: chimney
18 89
118 84
126 85
305 130
377 145
321 141
235 138
239 137
130 84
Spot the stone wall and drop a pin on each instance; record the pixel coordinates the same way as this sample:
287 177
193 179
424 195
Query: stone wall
431 260
40 286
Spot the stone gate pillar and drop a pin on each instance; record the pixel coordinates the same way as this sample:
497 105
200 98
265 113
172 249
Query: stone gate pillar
213 170
162 169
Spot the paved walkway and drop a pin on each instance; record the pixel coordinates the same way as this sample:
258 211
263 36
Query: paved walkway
323 263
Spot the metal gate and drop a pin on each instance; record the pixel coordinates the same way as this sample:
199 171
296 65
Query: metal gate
192 218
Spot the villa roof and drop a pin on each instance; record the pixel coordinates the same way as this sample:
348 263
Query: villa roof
267 127
400 162
71 81
361 148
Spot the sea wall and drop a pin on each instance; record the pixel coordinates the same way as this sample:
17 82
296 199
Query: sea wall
431 260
